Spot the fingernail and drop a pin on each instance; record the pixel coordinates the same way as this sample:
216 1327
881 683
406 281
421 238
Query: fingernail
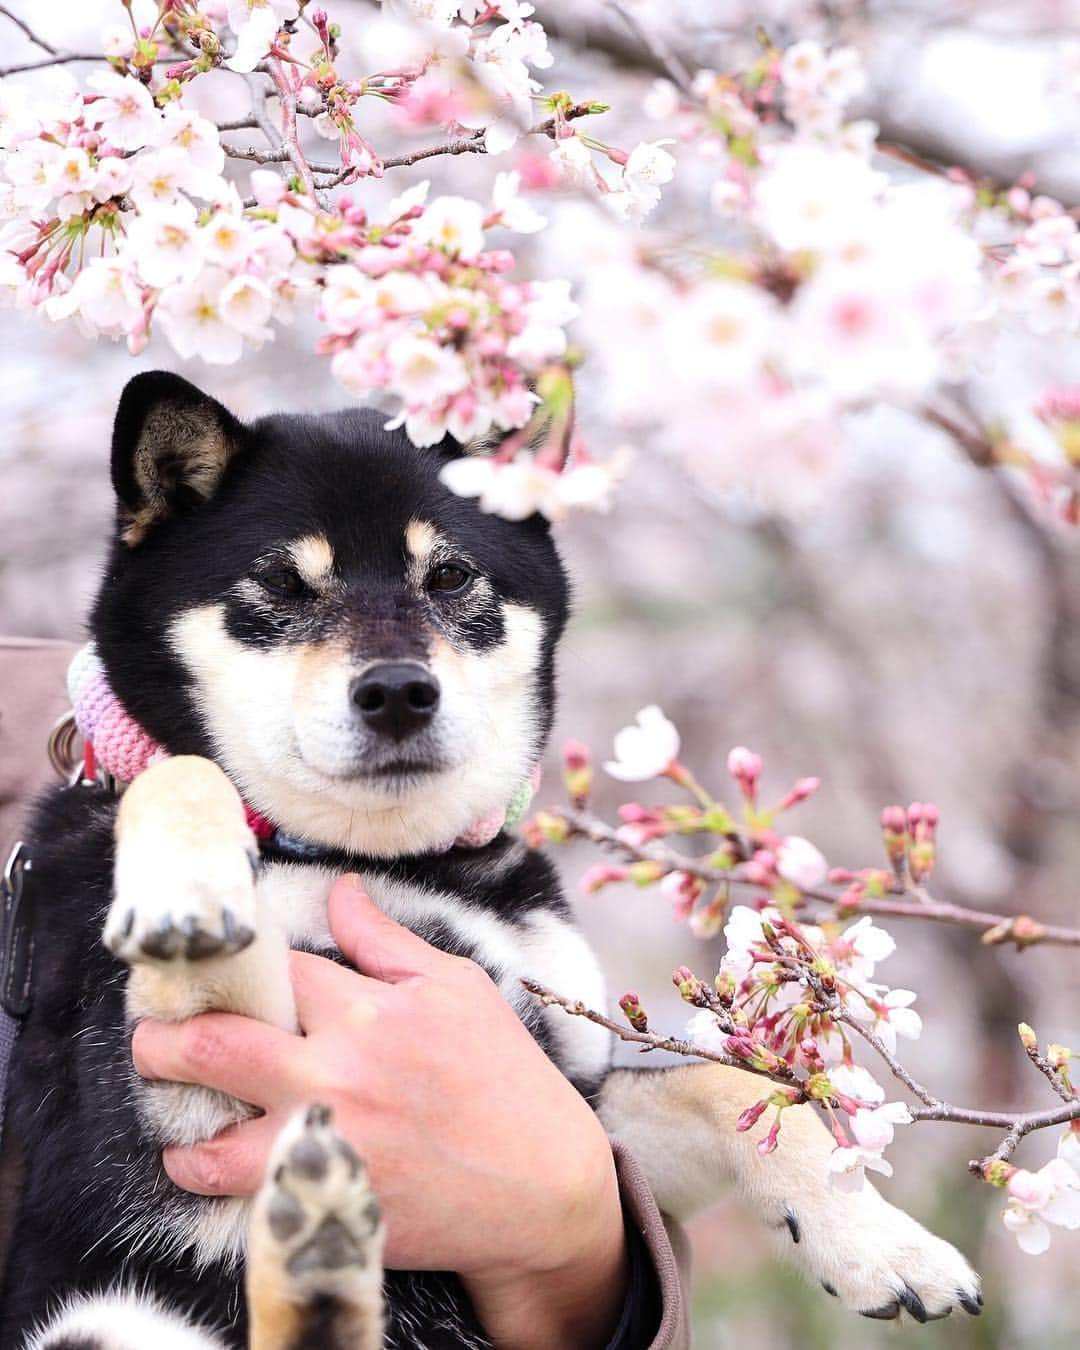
356 882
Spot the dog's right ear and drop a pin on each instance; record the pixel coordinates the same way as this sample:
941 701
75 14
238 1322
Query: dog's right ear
171 443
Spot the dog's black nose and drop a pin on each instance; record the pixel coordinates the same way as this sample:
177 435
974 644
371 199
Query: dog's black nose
396 698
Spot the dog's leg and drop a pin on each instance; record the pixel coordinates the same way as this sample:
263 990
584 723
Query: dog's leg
680 1125
119 1321
314 1274
183 916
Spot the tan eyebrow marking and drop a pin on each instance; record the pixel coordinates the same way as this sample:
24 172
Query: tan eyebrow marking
314 559
420 539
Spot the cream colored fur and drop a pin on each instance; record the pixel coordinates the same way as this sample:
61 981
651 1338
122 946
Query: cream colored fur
680 1124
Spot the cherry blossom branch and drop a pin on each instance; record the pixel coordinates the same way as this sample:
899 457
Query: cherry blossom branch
996 928
649 1040
1017 1125
1045 1066
472 144
27 31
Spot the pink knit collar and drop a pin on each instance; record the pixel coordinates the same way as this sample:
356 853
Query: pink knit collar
115 744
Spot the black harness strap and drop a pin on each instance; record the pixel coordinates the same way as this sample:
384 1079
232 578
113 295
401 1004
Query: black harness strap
16 960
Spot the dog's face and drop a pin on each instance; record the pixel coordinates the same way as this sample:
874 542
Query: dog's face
367 655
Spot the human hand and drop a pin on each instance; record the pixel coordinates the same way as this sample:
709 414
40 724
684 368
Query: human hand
484 1158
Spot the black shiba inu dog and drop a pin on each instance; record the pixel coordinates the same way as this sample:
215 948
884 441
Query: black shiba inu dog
309 623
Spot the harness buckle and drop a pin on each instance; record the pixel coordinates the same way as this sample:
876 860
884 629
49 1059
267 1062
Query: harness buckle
16 935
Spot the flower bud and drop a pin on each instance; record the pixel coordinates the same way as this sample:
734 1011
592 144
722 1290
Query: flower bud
745 767
600 875
1058 1055
805 787
1027 1037
689 986
752 1115
998 1172
553 828
633 1011
894 833
645 872
577 772
765 1146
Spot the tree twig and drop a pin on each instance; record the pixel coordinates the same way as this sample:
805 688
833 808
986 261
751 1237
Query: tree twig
27 31
647 1039
996 928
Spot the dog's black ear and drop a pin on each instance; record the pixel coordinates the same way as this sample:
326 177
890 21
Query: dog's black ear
171 443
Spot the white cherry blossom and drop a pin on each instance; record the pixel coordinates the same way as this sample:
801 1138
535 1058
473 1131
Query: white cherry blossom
124 110
798 861
646 749
191 314
164 244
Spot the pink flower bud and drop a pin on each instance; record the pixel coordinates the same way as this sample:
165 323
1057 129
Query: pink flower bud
600 875
805 787
633 1011
576 755
687 983
632 813
894 819
752 1115
765 1146
745 767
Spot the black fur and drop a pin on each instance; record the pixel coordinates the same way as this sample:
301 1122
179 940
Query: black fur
89 1167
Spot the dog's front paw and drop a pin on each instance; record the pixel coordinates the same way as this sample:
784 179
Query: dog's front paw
192 904
875 1258
315 1249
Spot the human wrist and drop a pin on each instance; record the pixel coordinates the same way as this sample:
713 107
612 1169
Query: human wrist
569 1289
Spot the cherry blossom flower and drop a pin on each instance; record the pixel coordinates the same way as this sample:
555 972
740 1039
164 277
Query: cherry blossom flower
522 486
1036 1199
191 313
165 244
573 160
645 750
798 861
511 211
255 23
856 1082
847 1167
420 371
124 110
1068 1148
873 1129
453 224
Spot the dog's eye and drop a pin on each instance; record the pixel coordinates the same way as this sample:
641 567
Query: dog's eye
283 582
448 578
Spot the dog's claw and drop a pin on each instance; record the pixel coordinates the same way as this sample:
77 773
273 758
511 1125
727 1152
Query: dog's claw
792 1221
970 1303
886 1314
913 1303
